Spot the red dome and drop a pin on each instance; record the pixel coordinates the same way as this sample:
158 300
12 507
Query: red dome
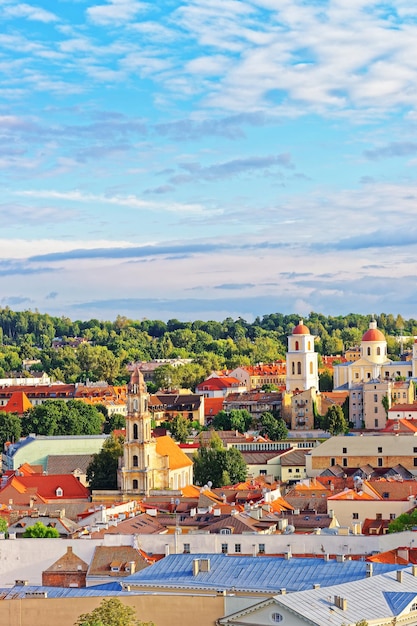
301 329
373 334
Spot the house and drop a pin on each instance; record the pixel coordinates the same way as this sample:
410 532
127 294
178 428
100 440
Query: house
111 563
189 405
255 402
35 449
353 452
75 464
255 376
65 527
380 599
18 403
220 386
67 571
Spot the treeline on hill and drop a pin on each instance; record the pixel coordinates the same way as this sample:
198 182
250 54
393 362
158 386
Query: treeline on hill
211 344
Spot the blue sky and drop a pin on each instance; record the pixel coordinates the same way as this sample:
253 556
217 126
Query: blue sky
208 158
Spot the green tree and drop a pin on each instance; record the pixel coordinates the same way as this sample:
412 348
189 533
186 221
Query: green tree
10 427
3 525
56 417
334 421
326 381
40 531
405 521
236 419
111 612
116 421
213 463
274 429
102 471
179 428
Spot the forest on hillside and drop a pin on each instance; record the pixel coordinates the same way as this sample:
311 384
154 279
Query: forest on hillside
211 344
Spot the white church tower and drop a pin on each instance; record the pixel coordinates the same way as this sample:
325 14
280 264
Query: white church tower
302 365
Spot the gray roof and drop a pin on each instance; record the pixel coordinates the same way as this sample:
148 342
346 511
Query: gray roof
246 573
68 463
374 598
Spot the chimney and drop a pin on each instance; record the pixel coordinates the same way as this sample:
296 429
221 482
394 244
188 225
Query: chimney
340 602
414 570
283 591
132 567
196 566
167 549
369 570
399 576
204 565
316 586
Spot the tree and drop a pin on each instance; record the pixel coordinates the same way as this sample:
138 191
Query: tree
3 525
10 427
179 428
405 521
215 464
326 380
102 471
236 419
115 421
56 417
40 531
274 429
111 612
334 421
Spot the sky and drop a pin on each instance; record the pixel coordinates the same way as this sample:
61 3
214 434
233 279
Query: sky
204 159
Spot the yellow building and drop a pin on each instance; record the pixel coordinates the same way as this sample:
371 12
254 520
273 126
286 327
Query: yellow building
149 463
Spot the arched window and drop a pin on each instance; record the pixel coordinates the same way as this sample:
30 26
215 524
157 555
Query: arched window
135 484
309 345
297 345
135 431
135 460
311 368
299 367
369 351
293 368
378 351
135 404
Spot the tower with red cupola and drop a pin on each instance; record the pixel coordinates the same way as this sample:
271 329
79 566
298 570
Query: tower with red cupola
302 366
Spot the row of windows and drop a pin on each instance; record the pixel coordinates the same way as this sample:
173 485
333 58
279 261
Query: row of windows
237 546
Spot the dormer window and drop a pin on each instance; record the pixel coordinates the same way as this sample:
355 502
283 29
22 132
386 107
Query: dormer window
59 492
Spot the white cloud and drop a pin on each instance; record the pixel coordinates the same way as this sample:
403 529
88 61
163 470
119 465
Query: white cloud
115 12
29 12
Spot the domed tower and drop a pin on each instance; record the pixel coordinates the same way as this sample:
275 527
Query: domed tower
139 447
374 345
302 368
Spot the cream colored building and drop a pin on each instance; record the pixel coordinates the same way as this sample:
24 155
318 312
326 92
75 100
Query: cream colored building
354 452
149 463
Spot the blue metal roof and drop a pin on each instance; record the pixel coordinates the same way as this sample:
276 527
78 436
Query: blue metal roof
21 591
246 573
398 601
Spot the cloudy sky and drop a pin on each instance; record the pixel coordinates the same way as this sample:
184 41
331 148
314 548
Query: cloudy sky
208 158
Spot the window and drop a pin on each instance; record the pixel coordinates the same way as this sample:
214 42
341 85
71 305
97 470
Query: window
369 351
135 431
186 548
276 618
225 531
378 351
299 367
290 470
376 423
311 368
379 462
332 461
378 516
368 375
135 460
375 409
261 548
380 450
238 547
415 449
293 368
135 484
344 462
375 397
344 450
415 462
385 494
224 548
297 345
355 515
392 515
